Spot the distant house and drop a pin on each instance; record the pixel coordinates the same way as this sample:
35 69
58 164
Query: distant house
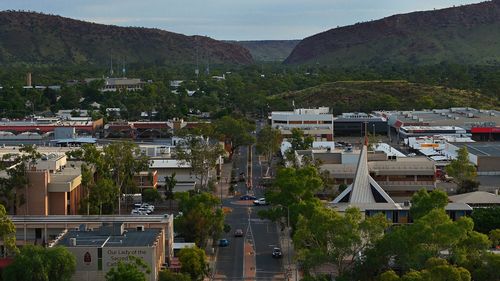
120 84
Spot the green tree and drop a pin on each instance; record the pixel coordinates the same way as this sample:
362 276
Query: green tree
462 171
15 185
268 142
194 263
423 202
151 195
7 232
299 141
436 269
237 131
134 269
495 237
201 155
35 263
201 218
486 219
328 237
170 183
293 188
124 160
166 275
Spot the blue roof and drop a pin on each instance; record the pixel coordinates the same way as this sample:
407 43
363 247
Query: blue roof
76 140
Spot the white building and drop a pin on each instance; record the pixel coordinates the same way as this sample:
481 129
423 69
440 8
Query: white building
317 122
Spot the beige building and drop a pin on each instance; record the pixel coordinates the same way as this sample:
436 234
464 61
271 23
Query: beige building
400 177
148 237
52 189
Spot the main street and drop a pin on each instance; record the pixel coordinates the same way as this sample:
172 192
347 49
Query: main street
256 263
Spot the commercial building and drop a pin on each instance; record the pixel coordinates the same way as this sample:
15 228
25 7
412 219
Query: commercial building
367 195
46 125
317 123
51 189
106 239
484 155
418 131
354 124
119 84
482 124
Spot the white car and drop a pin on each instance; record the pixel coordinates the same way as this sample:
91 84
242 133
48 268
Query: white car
148 206
260 202
145 210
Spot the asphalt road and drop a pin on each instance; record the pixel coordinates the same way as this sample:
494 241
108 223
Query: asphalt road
230 261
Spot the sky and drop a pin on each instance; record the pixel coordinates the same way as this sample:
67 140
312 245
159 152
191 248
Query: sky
231 19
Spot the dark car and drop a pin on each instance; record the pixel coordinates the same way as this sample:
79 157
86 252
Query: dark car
247 197
277 253
238 232
223 242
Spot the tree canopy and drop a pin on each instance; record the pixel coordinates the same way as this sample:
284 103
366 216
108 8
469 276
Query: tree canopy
134 269
201 219
463 172
193 263
35 263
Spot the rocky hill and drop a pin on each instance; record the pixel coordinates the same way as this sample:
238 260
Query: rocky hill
269 50
468 34
366 96
35 38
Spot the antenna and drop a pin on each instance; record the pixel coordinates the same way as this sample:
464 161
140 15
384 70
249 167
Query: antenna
124 71
111 67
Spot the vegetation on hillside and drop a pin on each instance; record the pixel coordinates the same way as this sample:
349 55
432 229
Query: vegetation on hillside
269 50
468 34
366 96
35 38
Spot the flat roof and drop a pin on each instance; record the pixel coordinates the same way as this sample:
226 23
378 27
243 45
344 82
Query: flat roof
130 238
91 219
481 148
463 116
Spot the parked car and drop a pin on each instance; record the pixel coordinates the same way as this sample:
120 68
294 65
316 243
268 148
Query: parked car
247 197
277 253
135 212
223 242
238 232
148 206
144 210
260 202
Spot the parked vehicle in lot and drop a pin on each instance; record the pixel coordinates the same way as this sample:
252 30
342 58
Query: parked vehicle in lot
142 209
247 197
277 253
223 242
260 202
238 232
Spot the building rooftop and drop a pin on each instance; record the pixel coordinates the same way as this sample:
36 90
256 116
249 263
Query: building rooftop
481 148
458 116
103 238
477 197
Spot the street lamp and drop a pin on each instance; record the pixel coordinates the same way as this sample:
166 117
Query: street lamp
288 236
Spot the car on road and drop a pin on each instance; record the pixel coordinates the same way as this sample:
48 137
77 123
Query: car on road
277 253
248 197
260 202
223 242
238 232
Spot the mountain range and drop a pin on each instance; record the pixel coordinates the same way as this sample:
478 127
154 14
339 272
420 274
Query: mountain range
468 34
35 38
269 50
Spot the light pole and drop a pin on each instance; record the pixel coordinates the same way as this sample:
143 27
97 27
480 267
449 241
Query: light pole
288 239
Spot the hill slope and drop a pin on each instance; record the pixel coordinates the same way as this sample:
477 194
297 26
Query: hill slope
269 50
35 38
467 34
366 96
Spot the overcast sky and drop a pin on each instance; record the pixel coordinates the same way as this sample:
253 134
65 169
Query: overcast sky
231 19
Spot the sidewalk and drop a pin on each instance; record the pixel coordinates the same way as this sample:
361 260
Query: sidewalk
291 270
